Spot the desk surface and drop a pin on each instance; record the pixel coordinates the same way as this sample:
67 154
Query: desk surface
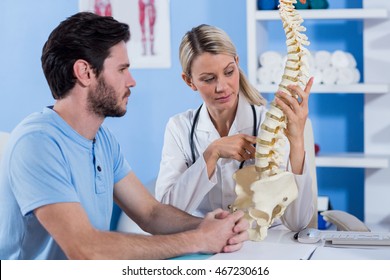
278 245
281 245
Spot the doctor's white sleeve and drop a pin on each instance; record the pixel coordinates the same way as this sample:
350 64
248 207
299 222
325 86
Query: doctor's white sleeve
177 184
299 213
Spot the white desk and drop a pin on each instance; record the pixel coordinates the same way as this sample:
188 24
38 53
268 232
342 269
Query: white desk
281 245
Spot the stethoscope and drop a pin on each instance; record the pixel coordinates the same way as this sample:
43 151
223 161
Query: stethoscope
192 145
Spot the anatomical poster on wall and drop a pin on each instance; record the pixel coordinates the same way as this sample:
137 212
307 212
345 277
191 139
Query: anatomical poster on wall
149 21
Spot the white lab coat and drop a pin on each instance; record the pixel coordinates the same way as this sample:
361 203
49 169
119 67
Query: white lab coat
187 186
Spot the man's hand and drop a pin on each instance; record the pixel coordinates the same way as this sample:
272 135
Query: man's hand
302 1
241 230
223 232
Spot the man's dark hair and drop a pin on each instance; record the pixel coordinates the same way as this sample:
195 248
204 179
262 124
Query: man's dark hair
84 36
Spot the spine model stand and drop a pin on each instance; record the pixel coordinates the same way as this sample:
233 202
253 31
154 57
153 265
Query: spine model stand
266 189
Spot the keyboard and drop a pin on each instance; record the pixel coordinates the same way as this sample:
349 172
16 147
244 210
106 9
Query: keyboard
357 238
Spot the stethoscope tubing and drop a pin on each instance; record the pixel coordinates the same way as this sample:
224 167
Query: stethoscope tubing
194 123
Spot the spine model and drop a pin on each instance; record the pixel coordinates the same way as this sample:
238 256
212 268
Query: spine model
271 140
265 189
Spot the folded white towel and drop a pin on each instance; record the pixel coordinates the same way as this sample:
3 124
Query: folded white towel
352 60
356 76
318 76
341 59
270 59
264 76
330 75
277 75
346 76
322 59
310 60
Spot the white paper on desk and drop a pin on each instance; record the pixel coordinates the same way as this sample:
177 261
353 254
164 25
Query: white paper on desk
253 250
351 253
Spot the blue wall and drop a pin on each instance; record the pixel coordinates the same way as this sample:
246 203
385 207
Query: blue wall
160 93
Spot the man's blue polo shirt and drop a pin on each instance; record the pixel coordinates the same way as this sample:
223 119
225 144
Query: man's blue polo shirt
46 162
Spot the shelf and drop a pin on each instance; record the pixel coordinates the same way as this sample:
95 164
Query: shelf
328 14
347 89
352 160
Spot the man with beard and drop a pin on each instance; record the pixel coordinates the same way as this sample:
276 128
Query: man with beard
62 169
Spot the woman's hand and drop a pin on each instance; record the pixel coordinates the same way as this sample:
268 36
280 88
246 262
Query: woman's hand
296 111
239 147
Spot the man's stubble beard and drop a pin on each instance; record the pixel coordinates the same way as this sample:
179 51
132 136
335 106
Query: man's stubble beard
102 101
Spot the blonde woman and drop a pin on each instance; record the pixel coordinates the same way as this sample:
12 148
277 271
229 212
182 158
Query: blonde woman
203 147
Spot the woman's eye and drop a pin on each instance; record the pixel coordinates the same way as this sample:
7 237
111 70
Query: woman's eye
229 73
209 80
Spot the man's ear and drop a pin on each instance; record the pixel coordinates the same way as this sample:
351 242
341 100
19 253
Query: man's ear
188 81
82 72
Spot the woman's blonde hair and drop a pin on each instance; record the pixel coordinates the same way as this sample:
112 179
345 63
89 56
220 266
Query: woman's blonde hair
210 39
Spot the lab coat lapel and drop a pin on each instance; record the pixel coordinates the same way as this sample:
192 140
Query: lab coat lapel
206 126
243 123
